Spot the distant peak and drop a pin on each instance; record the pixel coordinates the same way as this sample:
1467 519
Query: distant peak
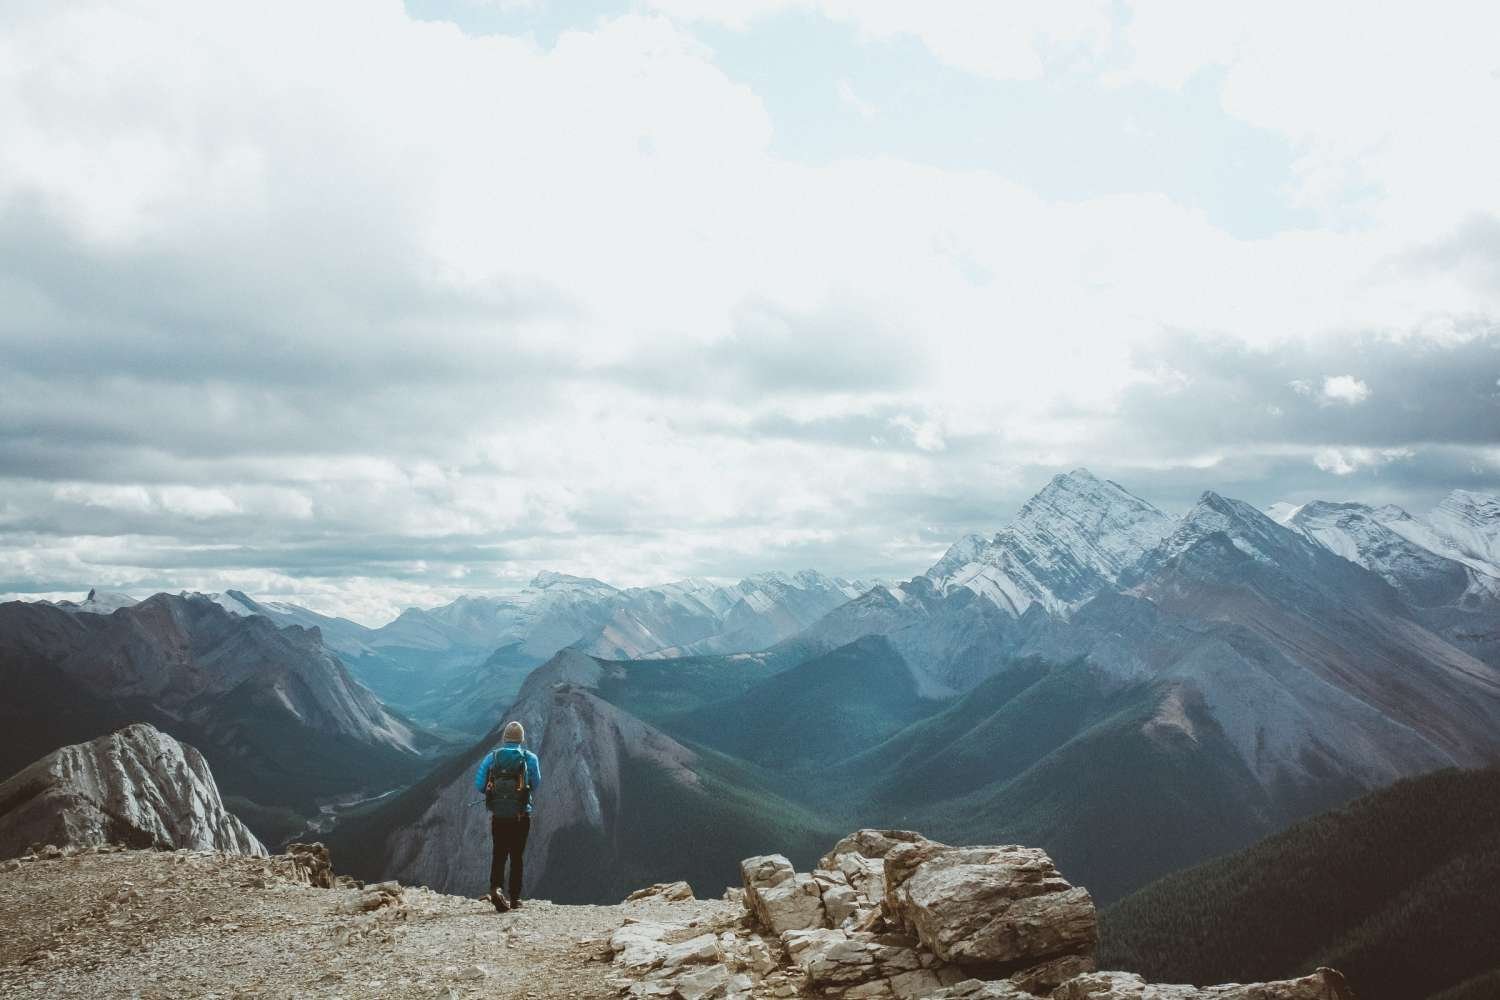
548 578
1282 512
1469 500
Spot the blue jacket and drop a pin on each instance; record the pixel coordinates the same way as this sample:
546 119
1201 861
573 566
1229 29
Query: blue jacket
533 770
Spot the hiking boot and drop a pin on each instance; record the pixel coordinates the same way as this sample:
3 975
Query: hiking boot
498 898
515 904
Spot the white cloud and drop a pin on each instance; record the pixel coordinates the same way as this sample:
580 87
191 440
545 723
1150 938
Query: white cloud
383 288
1346 461
1385 103
1344 389
851 100
1009 41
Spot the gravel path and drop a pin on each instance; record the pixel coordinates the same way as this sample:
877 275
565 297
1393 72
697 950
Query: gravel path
173 926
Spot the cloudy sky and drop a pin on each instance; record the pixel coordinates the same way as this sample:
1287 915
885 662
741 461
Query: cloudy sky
364 304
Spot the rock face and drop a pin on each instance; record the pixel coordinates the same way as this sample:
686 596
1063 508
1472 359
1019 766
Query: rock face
891 915
138 787
782 899
1325 984
1002 905
313 859
671 892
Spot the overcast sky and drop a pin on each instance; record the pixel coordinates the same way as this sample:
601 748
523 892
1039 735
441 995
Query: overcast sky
363 304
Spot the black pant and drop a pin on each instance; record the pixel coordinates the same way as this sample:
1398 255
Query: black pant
509 836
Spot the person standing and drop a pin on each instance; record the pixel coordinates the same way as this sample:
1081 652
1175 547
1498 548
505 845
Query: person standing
509 777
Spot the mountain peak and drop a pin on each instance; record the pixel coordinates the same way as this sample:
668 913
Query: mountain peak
137 785
548 578
1282 512
1069 541
1078 475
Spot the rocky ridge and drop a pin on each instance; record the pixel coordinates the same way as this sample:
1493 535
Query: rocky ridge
886 914
889 914
136 786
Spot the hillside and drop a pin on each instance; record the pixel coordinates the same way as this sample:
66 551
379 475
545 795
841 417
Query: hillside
1396 889
818 712
277 716
137 786
621 802
885 915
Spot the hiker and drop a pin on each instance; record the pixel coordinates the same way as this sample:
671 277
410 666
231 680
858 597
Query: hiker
508 776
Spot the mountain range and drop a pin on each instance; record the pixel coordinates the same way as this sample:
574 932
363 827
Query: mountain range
277 715
458 665
1133 691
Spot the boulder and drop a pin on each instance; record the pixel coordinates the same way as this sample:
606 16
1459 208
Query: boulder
781 898
639 945
865 965
980 989
873 844
1325 984
1044 977
694 951
671 892
315 864
992 905
840 901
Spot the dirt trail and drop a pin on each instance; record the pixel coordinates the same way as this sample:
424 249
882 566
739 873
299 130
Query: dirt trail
173 926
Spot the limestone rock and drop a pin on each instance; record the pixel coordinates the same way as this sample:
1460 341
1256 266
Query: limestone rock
781 898
994 905
672 892
979 989
137 786
1325 984
639 946
706 983
865 965
905 857
313 859
868 843
1043 978
703 948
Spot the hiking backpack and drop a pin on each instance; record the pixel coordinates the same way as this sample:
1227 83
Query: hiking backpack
506 788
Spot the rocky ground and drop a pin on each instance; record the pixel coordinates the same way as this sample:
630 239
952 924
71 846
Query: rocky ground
886 915
143 924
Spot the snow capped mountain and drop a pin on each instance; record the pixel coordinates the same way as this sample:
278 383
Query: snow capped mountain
1069 542
1469 524
1248 530
1369 537
137 786
98 602
1282 512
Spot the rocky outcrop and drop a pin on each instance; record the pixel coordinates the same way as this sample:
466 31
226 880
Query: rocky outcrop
138 787
782 899
1325 984
670 892
313 859
1003 905
891 915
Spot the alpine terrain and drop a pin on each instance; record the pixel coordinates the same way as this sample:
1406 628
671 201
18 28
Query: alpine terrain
136 787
